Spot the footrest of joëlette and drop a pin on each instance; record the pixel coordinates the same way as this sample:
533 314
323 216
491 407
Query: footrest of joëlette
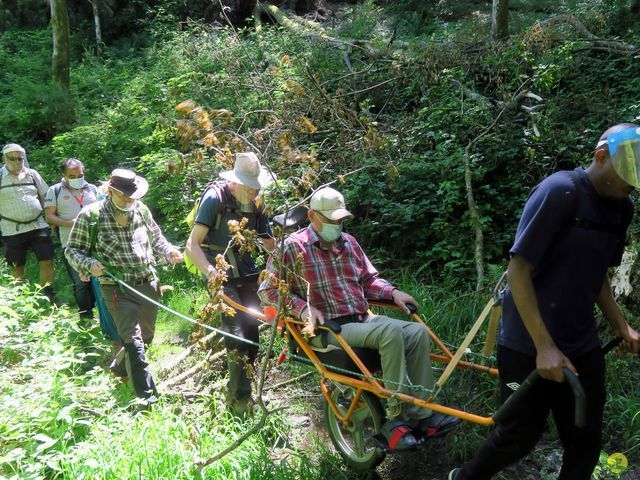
379 441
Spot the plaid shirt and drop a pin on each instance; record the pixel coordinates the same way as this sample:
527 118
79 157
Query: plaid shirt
340 280
125 250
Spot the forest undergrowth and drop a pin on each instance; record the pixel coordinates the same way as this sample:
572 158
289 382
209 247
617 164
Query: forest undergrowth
65 416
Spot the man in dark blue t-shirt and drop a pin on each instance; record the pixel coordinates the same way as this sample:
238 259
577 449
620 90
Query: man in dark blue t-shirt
572 231
234 199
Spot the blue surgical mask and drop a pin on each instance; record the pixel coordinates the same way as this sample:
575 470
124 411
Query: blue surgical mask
76 182
330 232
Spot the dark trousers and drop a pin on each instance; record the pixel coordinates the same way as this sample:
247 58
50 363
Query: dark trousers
82 292
516 436
135 320
240 355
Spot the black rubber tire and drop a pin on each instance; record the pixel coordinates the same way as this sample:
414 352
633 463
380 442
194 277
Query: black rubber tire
356 444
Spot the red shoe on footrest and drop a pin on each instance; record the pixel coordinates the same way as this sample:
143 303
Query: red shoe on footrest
399 436
437 425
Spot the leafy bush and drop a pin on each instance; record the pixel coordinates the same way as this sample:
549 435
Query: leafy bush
33 109
405 119
65 417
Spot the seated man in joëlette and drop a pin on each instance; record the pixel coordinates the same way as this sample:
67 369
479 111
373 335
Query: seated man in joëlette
340 278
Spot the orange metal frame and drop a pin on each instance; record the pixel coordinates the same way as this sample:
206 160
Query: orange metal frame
369 383
372 385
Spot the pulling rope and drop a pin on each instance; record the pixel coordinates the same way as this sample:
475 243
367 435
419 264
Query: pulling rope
185 317
259 316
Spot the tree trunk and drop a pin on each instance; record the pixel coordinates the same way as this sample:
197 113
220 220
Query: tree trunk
60 58
478 253
500 19
98 28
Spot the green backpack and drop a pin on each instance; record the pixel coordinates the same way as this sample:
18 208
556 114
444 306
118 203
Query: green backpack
191 217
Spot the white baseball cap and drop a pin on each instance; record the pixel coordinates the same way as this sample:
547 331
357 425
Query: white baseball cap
330 203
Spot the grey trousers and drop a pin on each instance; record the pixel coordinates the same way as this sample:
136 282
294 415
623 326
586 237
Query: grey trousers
404 354
135 320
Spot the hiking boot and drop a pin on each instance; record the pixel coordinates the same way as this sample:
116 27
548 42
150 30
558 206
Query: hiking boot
50 293
145 404
150 402
399 436
437 425
455 474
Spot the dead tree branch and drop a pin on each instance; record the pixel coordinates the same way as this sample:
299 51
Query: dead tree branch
202 343
314 32
197 368
290 381
573 21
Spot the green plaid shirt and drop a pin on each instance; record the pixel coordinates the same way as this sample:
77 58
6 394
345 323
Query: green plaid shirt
123 250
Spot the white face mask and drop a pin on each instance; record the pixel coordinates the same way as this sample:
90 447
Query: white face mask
76 182
330 232
127 209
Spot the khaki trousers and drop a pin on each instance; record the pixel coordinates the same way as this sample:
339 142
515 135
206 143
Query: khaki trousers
404 352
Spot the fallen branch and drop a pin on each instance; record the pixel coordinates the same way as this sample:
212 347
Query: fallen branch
368 88
201 463
573 21
185 354
210 358
309 30
184 375
185 394
291 380
470 94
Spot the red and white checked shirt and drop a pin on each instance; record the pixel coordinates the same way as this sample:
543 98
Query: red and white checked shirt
340 280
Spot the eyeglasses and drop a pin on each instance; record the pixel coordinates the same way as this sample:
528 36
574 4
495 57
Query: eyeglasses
14 159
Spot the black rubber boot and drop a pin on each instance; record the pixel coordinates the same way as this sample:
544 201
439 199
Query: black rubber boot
50 293
240 373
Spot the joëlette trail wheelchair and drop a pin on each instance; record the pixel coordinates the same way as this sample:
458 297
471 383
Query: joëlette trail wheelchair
354 408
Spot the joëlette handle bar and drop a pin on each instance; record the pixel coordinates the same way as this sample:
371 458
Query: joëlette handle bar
610 345
580 410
